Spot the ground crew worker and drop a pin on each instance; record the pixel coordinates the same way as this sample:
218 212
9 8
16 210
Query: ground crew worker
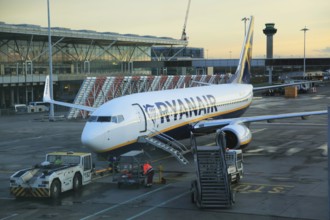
149 172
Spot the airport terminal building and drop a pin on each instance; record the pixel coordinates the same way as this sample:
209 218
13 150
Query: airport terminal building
77 54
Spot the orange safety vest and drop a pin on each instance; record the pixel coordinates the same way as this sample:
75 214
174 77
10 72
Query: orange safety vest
146 168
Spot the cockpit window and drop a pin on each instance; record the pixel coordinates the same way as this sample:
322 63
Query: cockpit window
114 119
92 119
104 119
120 118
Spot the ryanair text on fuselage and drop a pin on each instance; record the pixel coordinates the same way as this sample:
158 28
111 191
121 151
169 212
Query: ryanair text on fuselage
176 109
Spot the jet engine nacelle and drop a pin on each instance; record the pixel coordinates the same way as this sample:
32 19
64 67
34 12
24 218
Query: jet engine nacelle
237 136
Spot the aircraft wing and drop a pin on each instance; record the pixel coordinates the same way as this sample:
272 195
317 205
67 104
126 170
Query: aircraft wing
213 124
48 99
70 105
283 85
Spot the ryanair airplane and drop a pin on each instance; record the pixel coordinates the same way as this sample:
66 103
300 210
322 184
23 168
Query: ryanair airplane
118 124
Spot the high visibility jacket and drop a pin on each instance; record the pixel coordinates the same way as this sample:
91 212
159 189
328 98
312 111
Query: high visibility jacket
146 168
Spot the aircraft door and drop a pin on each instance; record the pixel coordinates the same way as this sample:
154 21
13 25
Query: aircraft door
87 175
142 117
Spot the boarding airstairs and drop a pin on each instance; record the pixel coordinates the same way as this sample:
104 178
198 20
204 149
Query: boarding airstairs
168 144
212 79
102 96
82 96
168 82
212 188
94 91
155 84
180 83
144 81
127 84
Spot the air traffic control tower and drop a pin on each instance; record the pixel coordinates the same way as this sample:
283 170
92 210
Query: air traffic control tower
269 31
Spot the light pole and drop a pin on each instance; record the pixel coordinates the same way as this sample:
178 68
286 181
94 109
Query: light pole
245 19
304 30
51 110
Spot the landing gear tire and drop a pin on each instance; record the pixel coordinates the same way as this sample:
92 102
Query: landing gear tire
55 189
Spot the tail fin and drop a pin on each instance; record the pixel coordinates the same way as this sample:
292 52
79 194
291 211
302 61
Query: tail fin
243 74
46 97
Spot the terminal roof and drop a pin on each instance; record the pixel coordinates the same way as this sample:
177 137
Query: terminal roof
25 31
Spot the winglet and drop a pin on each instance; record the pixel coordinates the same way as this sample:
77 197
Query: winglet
243 74
46 97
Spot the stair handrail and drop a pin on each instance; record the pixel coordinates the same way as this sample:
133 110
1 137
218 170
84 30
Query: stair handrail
194 151
222 150
170 141
164 146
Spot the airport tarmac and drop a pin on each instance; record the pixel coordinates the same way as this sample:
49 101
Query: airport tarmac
285 171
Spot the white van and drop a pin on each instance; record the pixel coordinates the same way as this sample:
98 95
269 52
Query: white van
38 107
20 108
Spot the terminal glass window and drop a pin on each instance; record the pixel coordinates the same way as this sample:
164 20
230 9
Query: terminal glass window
68 57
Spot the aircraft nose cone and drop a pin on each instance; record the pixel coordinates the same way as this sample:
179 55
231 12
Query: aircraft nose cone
86 139
91 139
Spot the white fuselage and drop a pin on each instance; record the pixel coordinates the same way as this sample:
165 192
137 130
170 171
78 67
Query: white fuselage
119 122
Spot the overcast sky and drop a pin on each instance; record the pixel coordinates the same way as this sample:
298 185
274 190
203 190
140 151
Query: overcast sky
212 24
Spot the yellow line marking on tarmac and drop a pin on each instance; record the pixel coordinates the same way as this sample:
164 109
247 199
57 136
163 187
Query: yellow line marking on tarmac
262 184
262 188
